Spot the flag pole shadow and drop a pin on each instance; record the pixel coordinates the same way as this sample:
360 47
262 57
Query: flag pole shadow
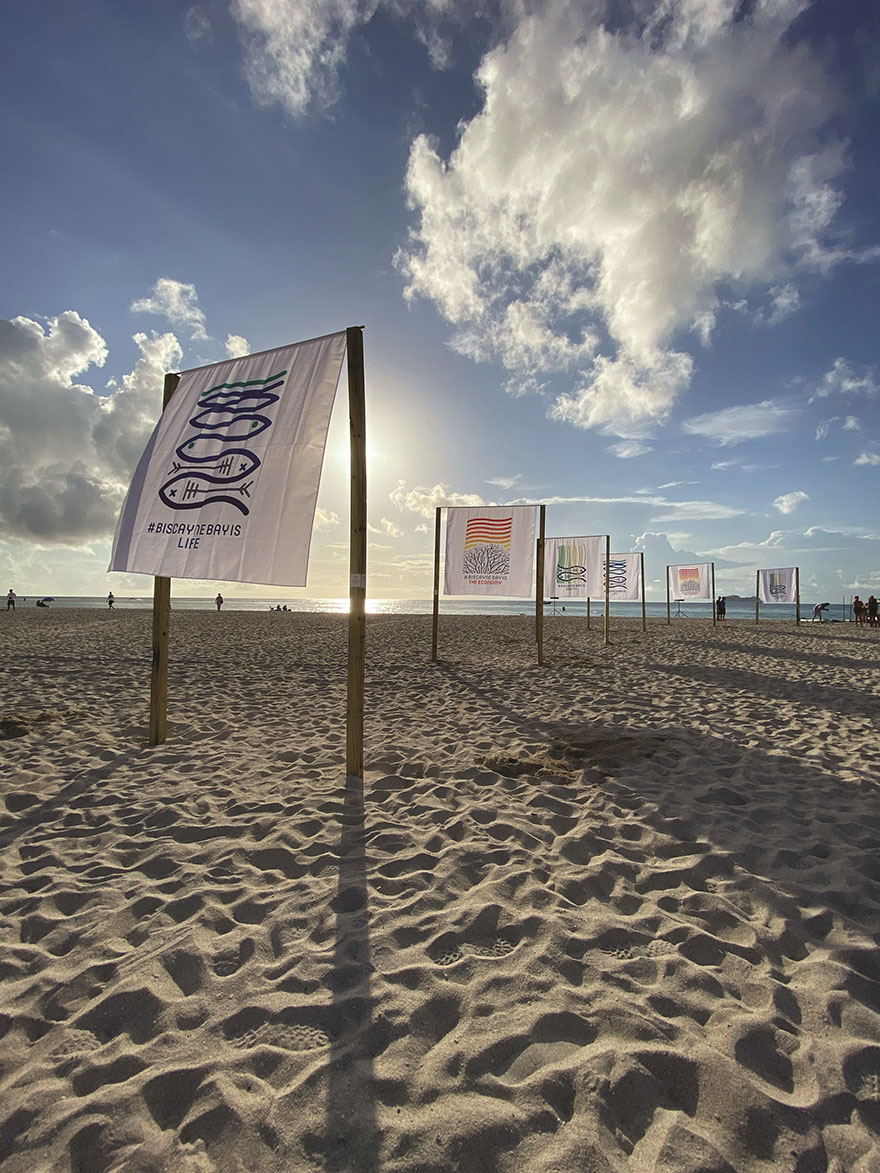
351 1100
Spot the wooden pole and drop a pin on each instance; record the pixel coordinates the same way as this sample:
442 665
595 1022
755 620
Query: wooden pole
757 596
608 588
588 612
435 621
797 594
714 607
644 612
354 733
539 584
161 625
668 600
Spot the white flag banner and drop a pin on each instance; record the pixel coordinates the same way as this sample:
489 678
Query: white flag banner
574 567
691 581
624 577
777 586
490 550
227 485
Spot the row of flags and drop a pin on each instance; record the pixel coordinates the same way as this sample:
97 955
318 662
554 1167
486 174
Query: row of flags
227 486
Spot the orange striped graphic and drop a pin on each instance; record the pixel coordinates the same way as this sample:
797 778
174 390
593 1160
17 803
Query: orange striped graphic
483 531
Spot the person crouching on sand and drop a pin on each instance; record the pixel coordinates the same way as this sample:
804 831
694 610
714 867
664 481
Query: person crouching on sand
817 611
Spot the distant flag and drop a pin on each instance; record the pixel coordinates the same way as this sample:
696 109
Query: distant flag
692 581
490 550
573 567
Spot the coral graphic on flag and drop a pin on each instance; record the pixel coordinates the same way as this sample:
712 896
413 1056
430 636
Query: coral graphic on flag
689 580
487 546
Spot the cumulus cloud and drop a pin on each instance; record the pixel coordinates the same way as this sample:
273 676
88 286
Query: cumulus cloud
748 421
425 501
869 458
66 454
176 301
615 181
788 502
842 378
236 346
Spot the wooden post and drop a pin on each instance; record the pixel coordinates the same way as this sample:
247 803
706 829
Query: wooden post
539 584
161 624
797 594
354 731
436 613
714 608
668 600
757 596
644 612
588 612
608 588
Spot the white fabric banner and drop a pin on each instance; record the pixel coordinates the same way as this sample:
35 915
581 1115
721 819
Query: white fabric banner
624 577
574 568
227 485
777 586
691 581
490 550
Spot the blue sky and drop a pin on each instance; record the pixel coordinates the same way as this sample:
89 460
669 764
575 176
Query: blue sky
621 258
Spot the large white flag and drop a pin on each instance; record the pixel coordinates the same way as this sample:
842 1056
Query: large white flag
690 581
573 567
777 586
227 485
624 577
490 550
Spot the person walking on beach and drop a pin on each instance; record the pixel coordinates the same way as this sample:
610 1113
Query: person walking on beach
110 601
10 600
219 601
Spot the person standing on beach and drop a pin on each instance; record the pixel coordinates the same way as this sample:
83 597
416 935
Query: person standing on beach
721 608
10 600
858 610
872 611
219 601
110 601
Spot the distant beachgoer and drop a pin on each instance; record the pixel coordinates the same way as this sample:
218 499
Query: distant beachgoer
721 607
817 611
10 600
872 611
110 601
858 609
219 601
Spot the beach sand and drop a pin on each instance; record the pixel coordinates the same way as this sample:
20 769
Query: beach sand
621 912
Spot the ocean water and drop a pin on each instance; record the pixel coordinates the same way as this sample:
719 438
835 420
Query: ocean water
475 605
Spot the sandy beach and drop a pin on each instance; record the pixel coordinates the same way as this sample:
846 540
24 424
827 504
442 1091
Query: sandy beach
620 912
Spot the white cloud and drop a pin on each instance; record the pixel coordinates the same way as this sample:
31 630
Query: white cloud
613 182
870 458
326 518
425 501
628 449
237 346
177 301
504 482
66 454
842 378
387 528
788 502
748 421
